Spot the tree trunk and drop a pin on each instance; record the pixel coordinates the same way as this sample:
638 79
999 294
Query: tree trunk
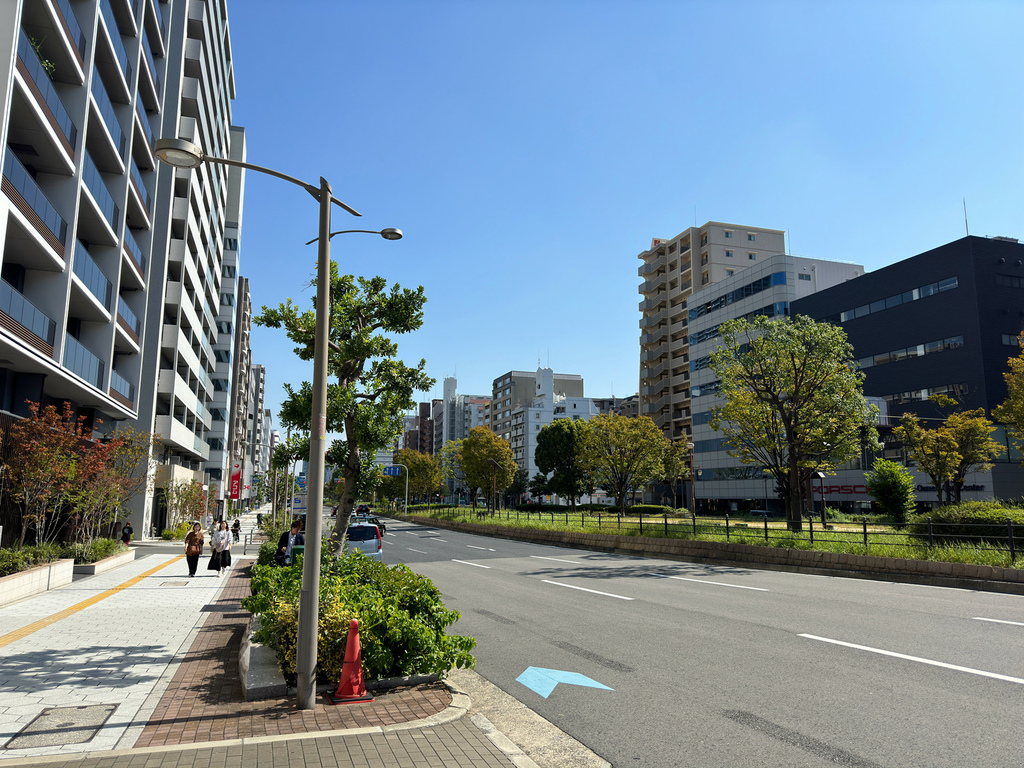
794 513
353 466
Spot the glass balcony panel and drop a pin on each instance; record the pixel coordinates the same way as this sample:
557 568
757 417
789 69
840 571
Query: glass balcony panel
94 181
86 268
115 37
134 250
77 36
122 386
30 191
149 60
99 92
32 63
25 313
128 316
146 127
80 360
137 178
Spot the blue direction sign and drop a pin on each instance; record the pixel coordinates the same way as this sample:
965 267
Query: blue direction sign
543 681
392 471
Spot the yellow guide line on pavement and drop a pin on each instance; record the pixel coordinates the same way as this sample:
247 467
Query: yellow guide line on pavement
35 626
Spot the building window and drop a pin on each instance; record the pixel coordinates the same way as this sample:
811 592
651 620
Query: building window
728 234
730 272
804 276
1010 341
704 279
729 254
751 237
752 256
227 270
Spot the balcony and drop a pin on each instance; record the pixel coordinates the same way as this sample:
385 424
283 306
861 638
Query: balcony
128 320
91 275
654 283
147 133
122 390
46 96
140 205
156 26
26 321
55 29
29 198
131 247
82 362
149 82
112 59
112 154
101 196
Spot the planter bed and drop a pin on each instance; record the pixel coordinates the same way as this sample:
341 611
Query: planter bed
36 580
106 564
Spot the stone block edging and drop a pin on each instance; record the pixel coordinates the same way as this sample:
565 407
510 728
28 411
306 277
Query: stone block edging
18 586
959 575
106 564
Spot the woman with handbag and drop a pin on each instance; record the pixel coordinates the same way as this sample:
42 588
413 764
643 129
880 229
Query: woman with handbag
193 548
220 559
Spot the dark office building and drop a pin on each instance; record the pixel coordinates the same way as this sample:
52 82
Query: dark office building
944 321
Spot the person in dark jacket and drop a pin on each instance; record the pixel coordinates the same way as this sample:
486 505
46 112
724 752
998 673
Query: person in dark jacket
288 540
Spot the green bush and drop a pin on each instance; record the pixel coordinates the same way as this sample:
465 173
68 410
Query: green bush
649 509
17 560
93 551
402 619
177 533
969 521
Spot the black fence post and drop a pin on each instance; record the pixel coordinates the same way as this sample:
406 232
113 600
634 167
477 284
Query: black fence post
693 516
726 526
766 527
641 524
810 526
931 536
666 526
864 522
1009 534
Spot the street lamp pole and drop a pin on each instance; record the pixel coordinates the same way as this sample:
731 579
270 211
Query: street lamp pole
184 154
693 487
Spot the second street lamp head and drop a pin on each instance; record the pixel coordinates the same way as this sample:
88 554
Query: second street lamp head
391 233
179 153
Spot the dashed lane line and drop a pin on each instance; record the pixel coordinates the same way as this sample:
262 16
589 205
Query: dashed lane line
705 581
584 589
1000 621
466 562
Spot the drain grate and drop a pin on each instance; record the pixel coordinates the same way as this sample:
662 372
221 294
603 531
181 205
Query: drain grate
58 726
173 583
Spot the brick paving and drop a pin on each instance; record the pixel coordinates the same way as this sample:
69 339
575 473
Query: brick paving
204 700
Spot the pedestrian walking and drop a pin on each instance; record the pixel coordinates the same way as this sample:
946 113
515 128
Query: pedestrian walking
126 532
193 548
288 540
220 557
236 528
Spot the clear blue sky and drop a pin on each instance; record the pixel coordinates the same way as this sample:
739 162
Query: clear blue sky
531 149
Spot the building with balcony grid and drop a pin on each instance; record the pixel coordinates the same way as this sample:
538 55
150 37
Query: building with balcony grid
673 269
82 92
516 389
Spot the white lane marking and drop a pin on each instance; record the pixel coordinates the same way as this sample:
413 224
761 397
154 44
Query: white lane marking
485 549
918 659
466 562
417 550
716 583
556 559
584 589
441 540
1000 621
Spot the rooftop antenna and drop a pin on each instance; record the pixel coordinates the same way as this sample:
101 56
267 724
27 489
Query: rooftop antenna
968 229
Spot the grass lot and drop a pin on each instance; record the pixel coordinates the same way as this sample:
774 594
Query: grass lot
846 537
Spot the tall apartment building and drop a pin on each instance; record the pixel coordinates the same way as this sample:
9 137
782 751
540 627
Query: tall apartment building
673 270
455 415
516 389
241 389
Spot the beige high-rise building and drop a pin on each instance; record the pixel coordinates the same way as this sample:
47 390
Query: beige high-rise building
673 269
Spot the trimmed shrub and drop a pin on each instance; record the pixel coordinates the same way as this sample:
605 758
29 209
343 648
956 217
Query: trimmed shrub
17 560
971 522
649 509
178 533
94 551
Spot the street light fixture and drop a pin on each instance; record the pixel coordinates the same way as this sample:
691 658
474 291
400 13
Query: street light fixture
180 153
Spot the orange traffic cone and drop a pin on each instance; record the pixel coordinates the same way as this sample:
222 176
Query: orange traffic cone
351 688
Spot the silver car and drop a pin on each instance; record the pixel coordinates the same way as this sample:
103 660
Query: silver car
366 538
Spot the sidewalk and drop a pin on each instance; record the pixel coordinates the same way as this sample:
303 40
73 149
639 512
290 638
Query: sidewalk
140 663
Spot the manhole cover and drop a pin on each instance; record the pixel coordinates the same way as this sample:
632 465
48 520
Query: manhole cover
63 725
173 583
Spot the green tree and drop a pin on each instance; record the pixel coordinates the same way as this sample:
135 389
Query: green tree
520 485
448 465
1011 410
623 453
961 444
793 401
424 474
559 452
676 467
374 389
538 486
486 461
891 485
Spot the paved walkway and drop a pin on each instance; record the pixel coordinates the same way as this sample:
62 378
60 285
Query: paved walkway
138 667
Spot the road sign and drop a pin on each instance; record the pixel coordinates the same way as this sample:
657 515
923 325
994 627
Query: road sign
299 503
543 681
392 471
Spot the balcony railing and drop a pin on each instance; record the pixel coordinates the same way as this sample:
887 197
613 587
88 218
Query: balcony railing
146 127
115 38
122 386
33 66
133 248
128 316
99 92
94 181
140 187
81 361
77 36
150 61
89 272
25 187
26 314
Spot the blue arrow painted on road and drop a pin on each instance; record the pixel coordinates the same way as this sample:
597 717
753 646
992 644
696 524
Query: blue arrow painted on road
543 681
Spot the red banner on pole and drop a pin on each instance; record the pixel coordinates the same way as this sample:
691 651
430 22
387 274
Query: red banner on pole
236 479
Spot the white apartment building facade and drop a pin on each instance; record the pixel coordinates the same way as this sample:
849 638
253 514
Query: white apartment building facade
673 270
455 415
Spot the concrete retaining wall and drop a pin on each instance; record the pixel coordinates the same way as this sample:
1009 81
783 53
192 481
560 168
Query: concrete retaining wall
18 586
106 564
962 575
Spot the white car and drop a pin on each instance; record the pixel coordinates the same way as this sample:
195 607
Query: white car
366 538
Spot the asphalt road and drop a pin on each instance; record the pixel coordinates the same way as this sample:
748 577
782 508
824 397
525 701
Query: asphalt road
725 666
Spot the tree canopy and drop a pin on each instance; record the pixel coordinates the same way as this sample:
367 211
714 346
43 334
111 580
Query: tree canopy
794 402
559 451
623 453
486 460
373 389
